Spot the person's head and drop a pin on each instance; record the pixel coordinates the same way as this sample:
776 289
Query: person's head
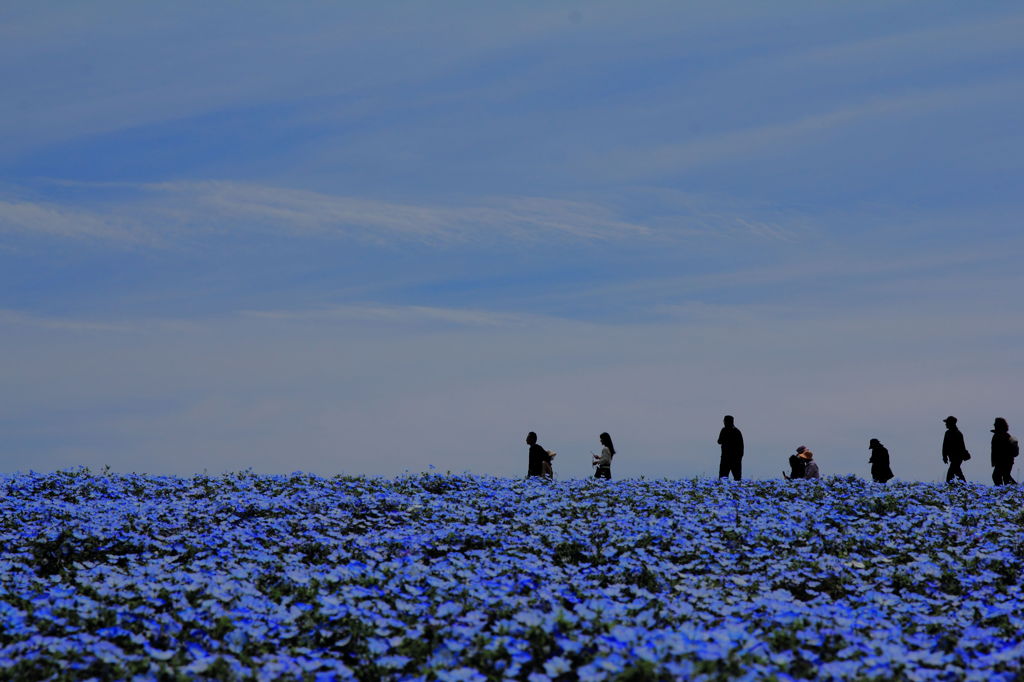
874 444
531 438
728 420
950 422
807 454
606 441
1000 426
801 450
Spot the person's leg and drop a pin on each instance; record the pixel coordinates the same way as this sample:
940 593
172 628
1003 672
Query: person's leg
955 471
723 468
737 469
997 475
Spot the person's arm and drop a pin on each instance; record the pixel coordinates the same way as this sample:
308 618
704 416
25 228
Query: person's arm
739 440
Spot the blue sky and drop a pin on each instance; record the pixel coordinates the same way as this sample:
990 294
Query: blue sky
374 237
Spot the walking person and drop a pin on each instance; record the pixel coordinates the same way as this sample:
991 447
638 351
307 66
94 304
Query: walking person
797 465
954 452
1004 450
810 466
879 461
539 458
603 462
731 440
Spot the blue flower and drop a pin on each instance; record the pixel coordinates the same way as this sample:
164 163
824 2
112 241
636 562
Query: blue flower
557 666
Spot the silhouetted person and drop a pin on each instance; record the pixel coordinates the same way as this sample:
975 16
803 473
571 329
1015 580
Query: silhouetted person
954 452
603 462
797 464
549 466
731 440
539 457
810 466
879 460
1004 450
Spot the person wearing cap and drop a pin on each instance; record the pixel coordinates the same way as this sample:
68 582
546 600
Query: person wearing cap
954 452
797 464
1004 450
879 461
810 466
731 440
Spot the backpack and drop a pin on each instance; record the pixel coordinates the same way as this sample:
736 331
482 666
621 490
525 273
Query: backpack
1014 446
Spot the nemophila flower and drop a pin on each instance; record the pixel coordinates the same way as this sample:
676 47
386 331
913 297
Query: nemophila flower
315 569
159 654
557 666
461 675
591 672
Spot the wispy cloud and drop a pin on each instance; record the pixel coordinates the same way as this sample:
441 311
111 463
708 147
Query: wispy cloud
312 212
415 314
917 47
49 219
163 213
805 131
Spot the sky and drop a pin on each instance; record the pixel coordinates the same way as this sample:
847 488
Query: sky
376 238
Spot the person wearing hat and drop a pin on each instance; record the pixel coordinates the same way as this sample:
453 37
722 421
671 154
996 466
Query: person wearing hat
797 464
810 466
879 461
1004 450
954 452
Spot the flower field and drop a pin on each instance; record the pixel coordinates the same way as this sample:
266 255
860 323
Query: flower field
476 578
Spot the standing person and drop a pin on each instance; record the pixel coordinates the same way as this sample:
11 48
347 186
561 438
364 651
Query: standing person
539 457
603 462
731 440
810 466
954 452
1004 450
797 464
879 461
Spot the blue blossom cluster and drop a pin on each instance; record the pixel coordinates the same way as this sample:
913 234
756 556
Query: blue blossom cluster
474 578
